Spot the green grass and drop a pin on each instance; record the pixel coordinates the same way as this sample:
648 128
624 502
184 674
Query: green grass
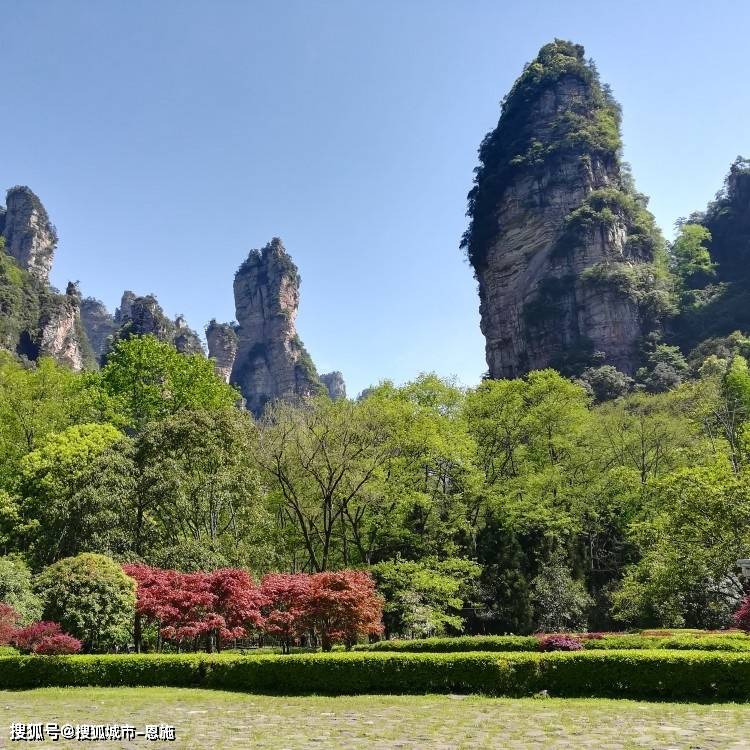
222 720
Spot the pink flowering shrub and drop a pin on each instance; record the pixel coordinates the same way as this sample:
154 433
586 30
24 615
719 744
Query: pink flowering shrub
560 643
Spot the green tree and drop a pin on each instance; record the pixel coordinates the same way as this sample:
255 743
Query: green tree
91 598
16 589
145 380
320 459
560 602
694 526
690 258
59 516
36 400
427 597
206 488
429 500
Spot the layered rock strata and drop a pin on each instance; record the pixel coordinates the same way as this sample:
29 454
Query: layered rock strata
99 325
271 361
222 347
560 242
30 237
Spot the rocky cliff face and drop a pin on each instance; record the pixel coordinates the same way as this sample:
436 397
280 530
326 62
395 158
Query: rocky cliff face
271 361
561 244
61 335
143 315
30 237
222 347
718 305
334 382
98 323
35 319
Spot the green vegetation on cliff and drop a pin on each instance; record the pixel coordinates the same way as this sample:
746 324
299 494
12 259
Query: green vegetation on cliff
714 251
592 130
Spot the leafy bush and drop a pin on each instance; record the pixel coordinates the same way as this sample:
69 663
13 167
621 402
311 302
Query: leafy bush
16 588
28 638
681 643
632 674
560 643
91 598
57 645
9 620
593 641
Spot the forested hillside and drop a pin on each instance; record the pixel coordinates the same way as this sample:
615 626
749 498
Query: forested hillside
516 505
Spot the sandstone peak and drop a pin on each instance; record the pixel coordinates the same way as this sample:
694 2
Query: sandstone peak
334 382
561 244
222 346
271 361
98 323
143 316
30 237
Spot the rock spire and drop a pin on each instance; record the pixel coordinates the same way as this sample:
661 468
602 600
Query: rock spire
561 244
271 361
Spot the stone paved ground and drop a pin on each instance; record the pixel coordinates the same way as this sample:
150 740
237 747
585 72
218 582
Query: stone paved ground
219 720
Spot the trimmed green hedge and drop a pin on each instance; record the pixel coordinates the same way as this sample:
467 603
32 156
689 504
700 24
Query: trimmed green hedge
681 675
457 644
681 643
504 643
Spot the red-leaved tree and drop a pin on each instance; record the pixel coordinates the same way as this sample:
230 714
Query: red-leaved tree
343 605
237 602
57 645
188 607
285 611
9 620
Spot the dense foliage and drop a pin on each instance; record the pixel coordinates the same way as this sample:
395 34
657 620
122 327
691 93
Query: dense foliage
521 505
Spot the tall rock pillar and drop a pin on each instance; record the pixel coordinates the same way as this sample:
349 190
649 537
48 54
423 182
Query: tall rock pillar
271 361
561 244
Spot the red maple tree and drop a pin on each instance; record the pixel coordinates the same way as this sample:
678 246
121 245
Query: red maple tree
342 606
285 610
187 607
46 638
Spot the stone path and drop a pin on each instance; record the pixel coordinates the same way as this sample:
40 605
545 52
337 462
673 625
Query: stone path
222 720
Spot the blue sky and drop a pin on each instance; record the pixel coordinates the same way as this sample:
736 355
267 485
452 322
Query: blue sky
169 138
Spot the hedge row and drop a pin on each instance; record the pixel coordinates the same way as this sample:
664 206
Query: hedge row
529 643
457 644
682 642
686 675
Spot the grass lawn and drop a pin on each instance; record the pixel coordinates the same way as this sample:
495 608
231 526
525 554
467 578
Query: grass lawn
217 720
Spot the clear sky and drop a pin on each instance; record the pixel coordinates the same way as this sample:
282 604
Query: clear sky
169 137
